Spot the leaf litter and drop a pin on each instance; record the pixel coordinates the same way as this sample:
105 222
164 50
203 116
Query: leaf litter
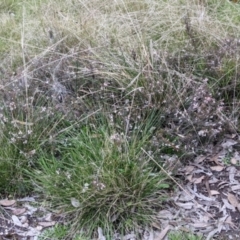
21 220
208 202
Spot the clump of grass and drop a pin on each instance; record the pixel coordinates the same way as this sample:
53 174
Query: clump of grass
102 178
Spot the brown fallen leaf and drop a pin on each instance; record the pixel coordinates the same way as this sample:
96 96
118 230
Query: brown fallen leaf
47 224
233 161
217 168
100 234
232 172
235 187
227 205
189 169
229 143
215 159
199 225
199 159
7 203
189 178
229 220
156 225
163 233
214 192
197 180
188 205
18 211
238 207
233 200
165 214
75 203
16 221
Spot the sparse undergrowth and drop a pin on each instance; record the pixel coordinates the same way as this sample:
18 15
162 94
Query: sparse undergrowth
86 86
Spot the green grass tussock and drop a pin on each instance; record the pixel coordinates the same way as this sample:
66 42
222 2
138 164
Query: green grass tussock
102 178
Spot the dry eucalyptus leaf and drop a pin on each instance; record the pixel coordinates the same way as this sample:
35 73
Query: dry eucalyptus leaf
233 200
48 217
16 221
18 211
217 168
215 159
227 205
199 159
75 202
229 220
189 169
165 214
214 192
188 205
229 143
235 187
7 203
156 225
197 180
189 178
163 233
238 207
186 196
233 161
100 234
47 224
200 225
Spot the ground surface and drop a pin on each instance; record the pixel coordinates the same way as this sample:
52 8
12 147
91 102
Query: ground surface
205 202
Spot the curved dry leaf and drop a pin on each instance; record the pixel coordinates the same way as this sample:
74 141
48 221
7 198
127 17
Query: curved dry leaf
75 202
188 205
163 233
211 234
217 168
47 224
227 205
233 161
100 234
199 159
18 211
199 225
165 214
7 203
189 169
232 173
16 221
233 200
238 207
197 180
214 192
186 197
229 220
189 178
235 187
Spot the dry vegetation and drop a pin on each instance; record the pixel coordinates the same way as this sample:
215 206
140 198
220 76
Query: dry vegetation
160 76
